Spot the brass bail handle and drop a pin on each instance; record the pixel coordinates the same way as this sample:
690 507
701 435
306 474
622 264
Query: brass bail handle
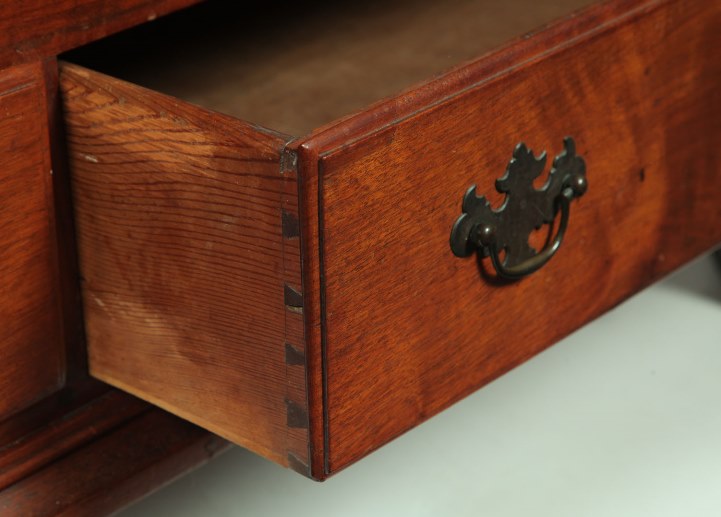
488 231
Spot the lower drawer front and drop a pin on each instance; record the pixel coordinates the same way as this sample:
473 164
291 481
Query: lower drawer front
409 328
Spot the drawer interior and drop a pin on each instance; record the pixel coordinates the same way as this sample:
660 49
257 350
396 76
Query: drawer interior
296 66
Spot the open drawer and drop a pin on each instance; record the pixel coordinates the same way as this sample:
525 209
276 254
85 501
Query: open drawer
298 295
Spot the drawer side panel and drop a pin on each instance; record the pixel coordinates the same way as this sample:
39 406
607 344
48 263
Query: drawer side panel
179 215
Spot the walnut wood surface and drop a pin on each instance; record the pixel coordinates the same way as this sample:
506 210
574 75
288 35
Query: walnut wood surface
33 29
186 273
31 348
114 470
332 59
398 327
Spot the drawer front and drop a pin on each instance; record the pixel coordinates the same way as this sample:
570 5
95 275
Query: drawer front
406 328
31 348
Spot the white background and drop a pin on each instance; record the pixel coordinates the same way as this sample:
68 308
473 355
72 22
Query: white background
623 418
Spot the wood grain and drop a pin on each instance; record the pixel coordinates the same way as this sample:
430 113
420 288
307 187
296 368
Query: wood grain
34 29
31 348
65 433
398 327
51 408
298 437
65 246
114 470
179 223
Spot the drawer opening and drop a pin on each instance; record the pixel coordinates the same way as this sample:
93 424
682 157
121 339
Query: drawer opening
294 67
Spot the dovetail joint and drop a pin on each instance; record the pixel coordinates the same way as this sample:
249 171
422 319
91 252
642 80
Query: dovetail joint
293 356
297 416
290 225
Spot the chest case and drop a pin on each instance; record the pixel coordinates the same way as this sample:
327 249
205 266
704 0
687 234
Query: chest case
282 275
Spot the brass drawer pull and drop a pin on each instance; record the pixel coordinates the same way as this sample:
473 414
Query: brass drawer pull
524 210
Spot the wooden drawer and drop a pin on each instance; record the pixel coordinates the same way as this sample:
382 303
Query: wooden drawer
298 294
